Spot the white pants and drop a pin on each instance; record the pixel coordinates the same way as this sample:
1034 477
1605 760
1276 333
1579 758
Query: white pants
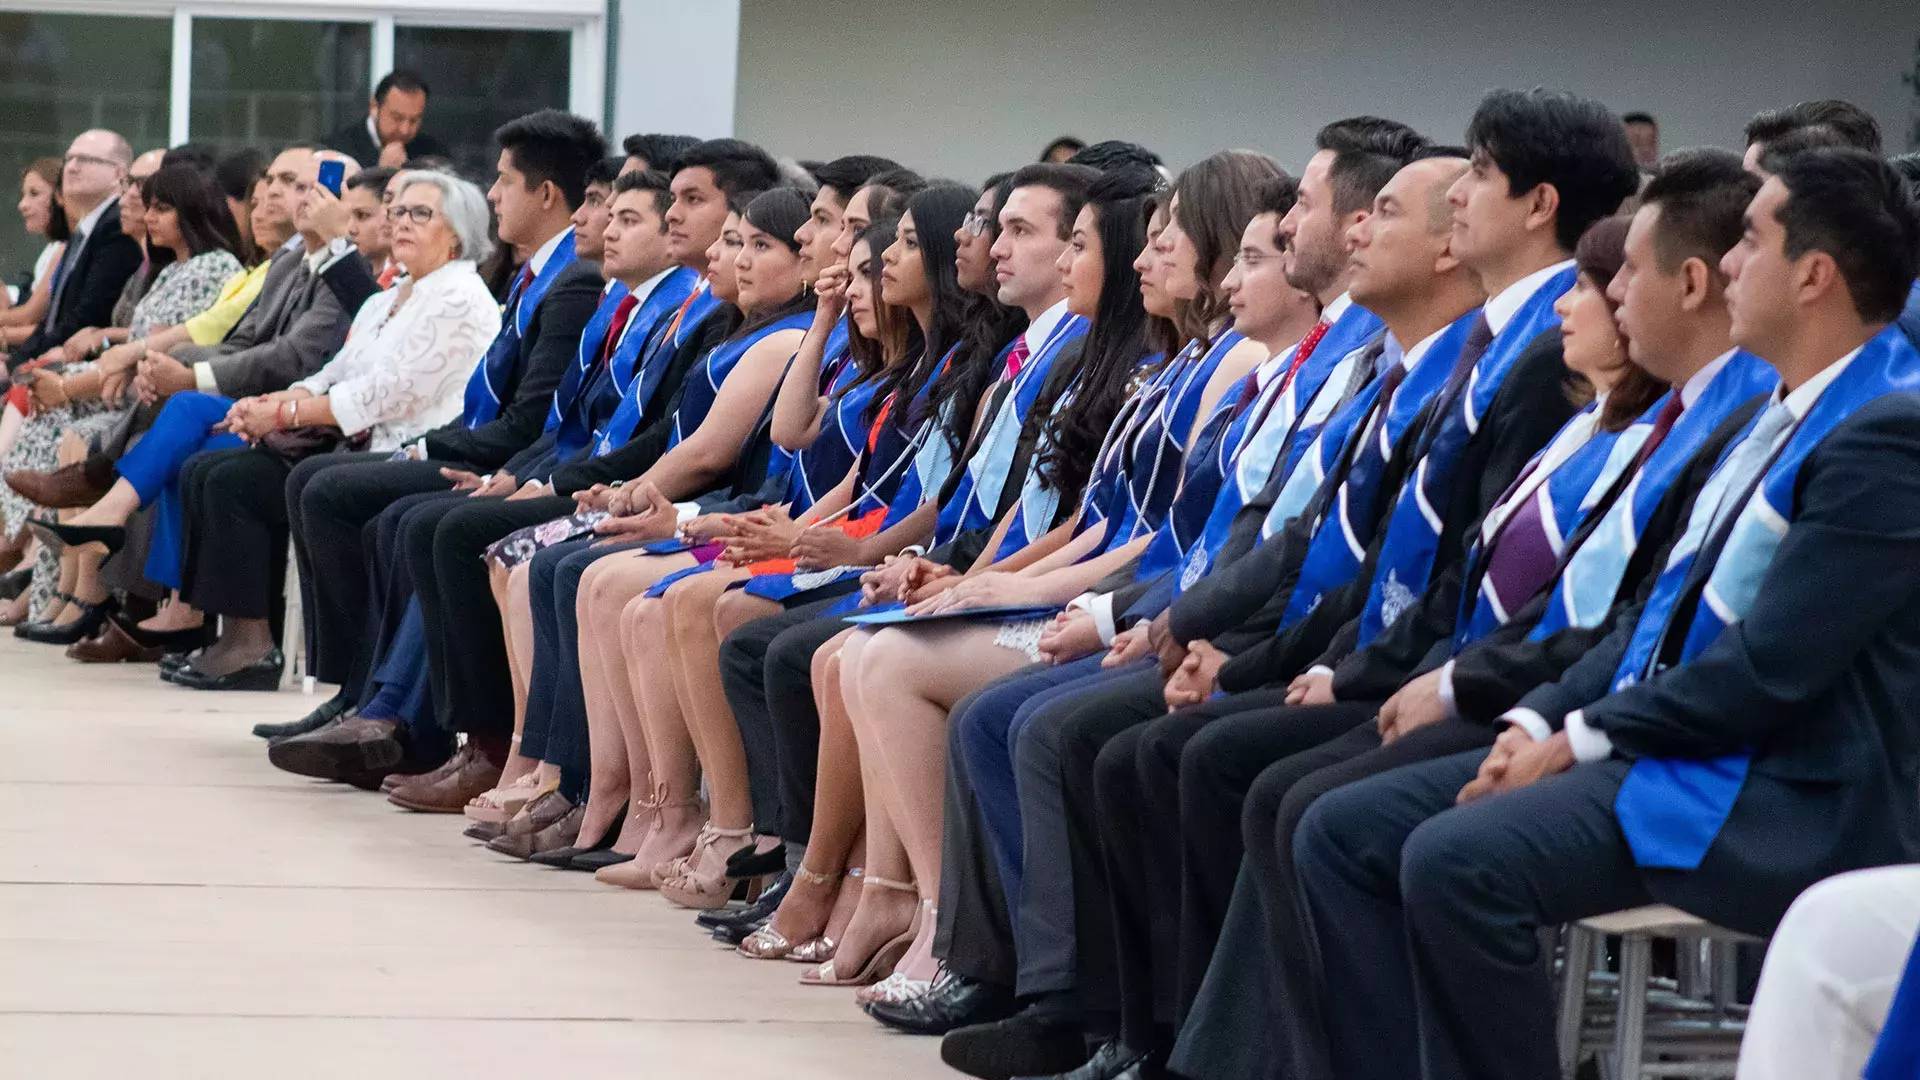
1830 976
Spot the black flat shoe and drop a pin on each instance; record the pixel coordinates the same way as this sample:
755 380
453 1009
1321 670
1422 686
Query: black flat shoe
57 535
331 709
594 860
562 858
93 616
747 863
173 662
758 911
176 642
262 674
15 582
732 936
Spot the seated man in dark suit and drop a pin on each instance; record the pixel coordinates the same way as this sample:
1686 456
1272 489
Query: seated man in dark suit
99 257
390 134
1759 733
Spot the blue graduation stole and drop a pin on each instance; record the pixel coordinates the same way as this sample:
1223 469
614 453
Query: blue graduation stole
1348 522
1413 529
823 463
977 495
656 315
1157 460
924 476
1591 578
495 370
1105 501
1671 809
644 378
1580 476
1896 1056
714 369
1355 329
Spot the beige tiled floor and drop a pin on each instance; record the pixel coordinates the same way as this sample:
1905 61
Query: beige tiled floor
171 906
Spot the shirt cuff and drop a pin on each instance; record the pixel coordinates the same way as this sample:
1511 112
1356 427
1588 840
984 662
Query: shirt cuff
685 512
203 379
1589 743
1530 722
1445 690
1320 669
1100 606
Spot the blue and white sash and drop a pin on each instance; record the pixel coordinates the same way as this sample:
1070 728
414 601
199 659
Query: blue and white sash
1413 530
1669 809
712 370
833 451
565 419
1350 519
495 370
638 381
1590 581
976 497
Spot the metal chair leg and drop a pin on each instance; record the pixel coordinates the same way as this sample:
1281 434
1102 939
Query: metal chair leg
1630 1024
1575 970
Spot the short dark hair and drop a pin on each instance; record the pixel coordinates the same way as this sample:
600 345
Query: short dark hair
239 170
738 167
1113 155
199 155
1070 182
606 170
374 179
647 180
1064 142
1703 197
1847 122
552 146
1908 166
1277 196
778 212
403 80
660 152
888 192
1441 150
1367 151
1639 118
1853 206
846 175
1572 143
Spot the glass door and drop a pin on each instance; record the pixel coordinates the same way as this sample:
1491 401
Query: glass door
481 79
264 83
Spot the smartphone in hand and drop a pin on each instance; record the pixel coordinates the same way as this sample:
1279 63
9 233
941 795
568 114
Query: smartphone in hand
333 175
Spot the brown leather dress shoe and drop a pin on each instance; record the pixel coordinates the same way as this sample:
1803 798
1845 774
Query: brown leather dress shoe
447 791
113 645
351 748
65 488
551 822
432 776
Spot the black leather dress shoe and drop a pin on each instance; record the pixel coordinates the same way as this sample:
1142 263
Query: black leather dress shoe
331 709
594 860
262 674
953 1002
1114 1060
758 911
1026 1044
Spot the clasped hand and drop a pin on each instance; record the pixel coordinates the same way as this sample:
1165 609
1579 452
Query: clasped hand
1517 760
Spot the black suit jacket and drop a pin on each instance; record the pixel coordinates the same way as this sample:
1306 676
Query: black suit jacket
1818 681
1491 674
357 143
549 345
91 287
1530 406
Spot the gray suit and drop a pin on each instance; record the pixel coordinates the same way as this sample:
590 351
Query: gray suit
293 328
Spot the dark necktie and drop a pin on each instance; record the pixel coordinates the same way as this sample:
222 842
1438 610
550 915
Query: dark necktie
1662 425
56 290
620 316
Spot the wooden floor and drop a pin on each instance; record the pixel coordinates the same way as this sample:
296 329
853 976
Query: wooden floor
172 906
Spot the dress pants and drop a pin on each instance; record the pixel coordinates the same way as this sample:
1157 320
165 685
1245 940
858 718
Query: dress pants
466 649
1257 1010
1061 903
1167 796
184 428
398 690
973 933
766 669
236 551
1429 915
331 498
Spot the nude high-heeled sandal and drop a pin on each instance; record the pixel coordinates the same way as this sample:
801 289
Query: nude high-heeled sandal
883 959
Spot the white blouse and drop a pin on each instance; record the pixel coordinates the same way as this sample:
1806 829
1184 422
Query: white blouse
404 372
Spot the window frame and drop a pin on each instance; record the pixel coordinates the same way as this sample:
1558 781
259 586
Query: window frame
584 20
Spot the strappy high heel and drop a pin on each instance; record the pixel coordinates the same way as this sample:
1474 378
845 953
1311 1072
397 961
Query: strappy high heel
883 958
503 804
899 987
703 882
634 874
767 943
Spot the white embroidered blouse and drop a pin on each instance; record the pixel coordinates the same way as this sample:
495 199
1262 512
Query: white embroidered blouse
411 349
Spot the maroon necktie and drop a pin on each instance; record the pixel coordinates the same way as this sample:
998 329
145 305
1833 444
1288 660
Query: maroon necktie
1662 424
620 316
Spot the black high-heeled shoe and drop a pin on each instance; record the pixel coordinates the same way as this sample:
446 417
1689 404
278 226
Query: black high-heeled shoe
174 641
563 857
59 534
93 616
748 863
16 581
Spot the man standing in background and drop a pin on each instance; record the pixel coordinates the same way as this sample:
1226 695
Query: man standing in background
390 134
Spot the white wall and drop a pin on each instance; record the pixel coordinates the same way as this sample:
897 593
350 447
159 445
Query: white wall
964 89
674 67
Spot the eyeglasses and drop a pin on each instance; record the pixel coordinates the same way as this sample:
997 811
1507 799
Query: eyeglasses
419 215
976 223
89 159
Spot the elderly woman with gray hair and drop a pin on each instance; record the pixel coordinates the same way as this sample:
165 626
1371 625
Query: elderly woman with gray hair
219 466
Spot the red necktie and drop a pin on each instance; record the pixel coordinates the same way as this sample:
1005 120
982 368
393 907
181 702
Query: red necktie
620 316
1017 356
1251 388
1662 424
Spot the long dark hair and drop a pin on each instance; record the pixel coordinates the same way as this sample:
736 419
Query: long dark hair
1114 343
206 222
778 213
48 169
901 346
987 326
937 213
1216 197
